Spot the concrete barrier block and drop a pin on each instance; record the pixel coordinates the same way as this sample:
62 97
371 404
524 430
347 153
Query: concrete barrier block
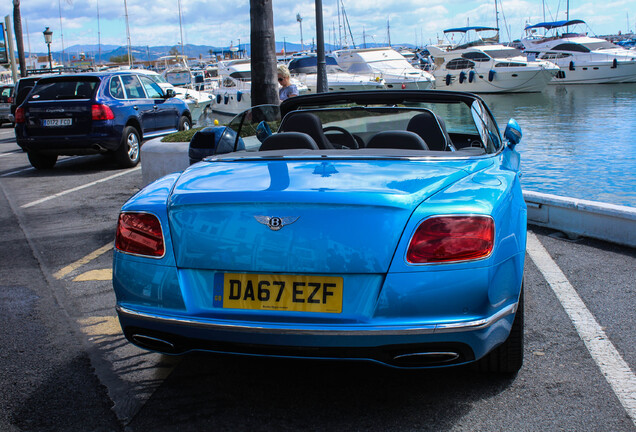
161 158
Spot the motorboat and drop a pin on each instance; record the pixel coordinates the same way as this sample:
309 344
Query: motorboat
478 63
582 59
234 92
305 69
199 103
178 73
387 64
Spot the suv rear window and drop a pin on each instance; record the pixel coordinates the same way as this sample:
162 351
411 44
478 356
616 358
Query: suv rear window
64 89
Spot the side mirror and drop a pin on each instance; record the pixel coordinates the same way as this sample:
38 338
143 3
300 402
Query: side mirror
212 140
170 93
263 131
513 133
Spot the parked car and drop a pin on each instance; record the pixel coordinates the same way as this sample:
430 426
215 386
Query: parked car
380 226
92 113
6 98
22 89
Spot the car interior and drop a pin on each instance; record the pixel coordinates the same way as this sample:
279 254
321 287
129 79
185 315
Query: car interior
400 129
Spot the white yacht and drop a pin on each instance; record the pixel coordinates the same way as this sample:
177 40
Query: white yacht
305 70
178 73
581 58
478 63
199 103
387 64
234 92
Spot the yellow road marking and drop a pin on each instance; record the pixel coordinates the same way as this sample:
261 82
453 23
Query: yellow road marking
82 261
100 326
95 275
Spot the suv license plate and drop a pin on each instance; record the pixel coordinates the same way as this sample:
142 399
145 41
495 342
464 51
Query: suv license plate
57 122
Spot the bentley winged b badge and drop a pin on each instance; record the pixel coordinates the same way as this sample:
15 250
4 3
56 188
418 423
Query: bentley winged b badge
276 223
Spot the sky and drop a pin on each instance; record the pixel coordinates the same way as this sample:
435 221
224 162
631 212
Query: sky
223 22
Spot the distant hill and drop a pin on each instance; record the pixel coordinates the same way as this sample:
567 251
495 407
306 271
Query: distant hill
146 53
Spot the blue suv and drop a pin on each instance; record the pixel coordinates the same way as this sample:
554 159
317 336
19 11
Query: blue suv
93 113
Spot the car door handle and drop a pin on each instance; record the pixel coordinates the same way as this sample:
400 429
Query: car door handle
155 107
135 107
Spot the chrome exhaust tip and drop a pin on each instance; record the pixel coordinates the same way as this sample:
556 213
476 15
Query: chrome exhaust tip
152 343
426 358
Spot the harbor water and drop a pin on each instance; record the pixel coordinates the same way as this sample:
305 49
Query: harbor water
578 141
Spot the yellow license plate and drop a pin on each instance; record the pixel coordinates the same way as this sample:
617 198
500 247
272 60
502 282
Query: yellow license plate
292 293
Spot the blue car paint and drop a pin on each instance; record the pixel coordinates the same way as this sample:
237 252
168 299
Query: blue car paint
397 294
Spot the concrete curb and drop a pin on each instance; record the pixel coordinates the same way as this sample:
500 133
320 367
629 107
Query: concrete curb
575 217
162 158
578 217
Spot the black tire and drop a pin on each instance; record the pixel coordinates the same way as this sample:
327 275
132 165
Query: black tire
507 358
42 161
129 152
185 123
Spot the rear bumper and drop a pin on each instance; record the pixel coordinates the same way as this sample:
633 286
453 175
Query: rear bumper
70 145
441 344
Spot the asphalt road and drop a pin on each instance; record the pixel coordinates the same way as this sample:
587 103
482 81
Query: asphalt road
64 365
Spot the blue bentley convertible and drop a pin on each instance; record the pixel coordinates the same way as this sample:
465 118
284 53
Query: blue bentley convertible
380 226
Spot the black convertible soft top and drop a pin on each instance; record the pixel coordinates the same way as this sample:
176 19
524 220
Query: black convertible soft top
387 97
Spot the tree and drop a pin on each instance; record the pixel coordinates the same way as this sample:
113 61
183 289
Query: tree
264 74
17 29
174 51
120 59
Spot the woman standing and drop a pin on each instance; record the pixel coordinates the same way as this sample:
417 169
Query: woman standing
287 89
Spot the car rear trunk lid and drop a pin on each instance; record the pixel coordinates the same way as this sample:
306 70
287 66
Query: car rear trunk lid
334 217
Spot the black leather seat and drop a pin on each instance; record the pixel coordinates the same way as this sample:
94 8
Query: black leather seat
288 141
431 129
310 124
397 140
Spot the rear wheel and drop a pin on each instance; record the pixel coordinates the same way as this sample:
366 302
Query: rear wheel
42 161
127 155
184 123
507 358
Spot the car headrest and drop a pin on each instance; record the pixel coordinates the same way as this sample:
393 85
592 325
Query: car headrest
288 141
298 121
431 129
397 140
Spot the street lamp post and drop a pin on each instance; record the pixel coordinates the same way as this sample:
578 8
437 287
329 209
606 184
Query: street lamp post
48 37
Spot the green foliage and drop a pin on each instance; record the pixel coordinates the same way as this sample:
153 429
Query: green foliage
181 136
120 59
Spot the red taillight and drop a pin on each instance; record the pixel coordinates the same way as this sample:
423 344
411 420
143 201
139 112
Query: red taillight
19 115
140 234
10 100
102 112
451 238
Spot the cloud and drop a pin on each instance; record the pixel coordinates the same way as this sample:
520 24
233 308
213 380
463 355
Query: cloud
214 22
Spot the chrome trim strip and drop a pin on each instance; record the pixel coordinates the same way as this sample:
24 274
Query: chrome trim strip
333 331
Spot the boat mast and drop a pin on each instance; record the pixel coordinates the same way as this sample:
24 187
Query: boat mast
496 16
388 31
345 21
59 3
128 35
99 35
339 28
181 28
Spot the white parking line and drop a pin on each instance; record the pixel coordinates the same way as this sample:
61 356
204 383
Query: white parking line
10 153
31 168
75 189
615 370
